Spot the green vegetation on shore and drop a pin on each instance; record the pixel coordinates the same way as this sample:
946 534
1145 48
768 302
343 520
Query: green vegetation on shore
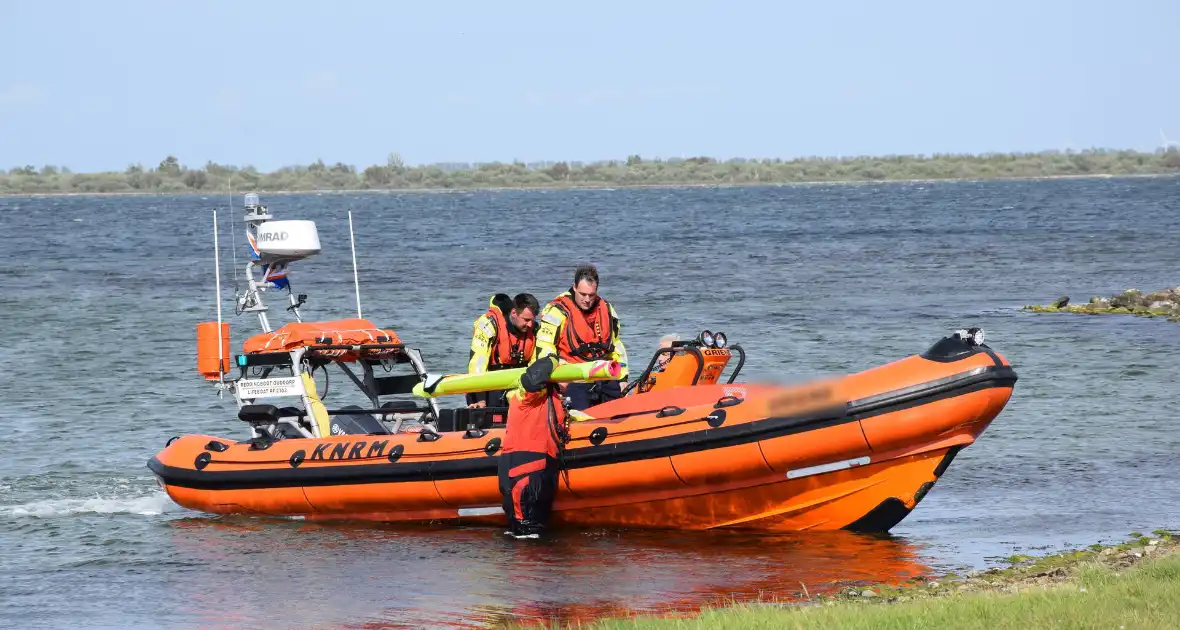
1165 303
1130 585
170 176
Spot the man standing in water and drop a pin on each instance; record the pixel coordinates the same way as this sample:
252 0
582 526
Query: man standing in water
528 464
579 326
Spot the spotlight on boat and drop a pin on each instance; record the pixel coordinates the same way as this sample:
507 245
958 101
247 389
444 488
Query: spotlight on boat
706 338
973 336
252 200
719 340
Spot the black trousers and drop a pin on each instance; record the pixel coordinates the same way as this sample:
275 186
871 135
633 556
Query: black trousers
528 483
585 395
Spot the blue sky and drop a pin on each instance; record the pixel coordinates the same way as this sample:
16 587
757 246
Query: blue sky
100 85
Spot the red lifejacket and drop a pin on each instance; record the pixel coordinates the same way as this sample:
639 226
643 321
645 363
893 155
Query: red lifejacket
584 337
530 427
510 350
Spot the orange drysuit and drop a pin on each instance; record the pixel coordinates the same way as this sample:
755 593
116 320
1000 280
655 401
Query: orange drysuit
528 459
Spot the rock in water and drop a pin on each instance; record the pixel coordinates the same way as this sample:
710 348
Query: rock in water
1127 300
1165 303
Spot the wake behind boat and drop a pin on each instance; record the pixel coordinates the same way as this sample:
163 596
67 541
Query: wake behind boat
684 448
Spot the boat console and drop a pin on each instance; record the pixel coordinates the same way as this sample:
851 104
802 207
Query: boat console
698 361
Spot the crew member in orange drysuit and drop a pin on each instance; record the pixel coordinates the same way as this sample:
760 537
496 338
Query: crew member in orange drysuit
528 459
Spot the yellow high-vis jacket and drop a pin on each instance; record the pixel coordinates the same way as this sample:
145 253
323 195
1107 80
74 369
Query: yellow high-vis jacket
483 339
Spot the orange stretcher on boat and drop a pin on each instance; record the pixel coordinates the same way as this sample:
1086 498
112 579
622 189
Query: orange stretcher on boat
683 448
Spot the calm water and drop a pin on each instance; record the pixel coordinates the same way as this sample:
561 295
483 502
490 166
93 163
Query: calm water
99 297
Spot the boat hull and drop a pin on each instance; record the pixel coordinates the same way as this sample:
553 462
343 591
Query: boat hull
858 452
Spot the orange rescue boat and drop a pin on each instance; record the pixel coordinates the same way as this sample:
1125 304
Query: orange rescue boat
857 452
682 449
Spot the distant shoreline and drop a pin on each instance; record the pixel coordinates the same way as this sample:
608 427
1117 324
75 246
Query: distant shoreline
581 186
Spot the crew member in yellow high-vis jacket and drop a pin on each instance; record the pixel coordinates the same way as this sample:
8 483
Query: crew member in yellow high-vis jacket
577 326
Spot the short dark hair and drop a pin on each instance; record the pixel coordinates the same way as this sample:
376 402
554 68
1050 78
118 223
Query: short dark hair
586 272
526 300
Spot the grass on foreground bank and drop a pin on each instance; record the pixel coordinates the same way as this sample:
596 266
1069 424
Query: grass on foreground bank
170 176
1133 585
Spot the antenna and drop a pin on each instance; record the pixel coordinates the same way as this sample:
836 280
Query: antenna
1167 143
233 239
355 279
217 277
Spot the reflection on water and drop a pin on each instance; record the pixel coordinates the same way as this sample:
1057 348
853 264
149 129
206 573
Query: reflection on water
366 576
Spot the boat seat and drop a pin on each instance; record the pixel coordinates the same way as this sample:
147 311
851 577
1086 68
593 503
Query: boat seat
281 417
403 406
459 419
264 414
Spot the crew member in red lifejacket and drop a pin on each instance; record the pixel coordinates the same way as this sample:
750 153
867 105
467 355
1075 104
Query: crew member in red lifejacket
528 465
578 326
504 337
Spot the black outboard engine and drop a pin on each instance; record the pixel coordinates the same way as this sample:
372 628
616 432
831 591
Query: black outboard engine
357 424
